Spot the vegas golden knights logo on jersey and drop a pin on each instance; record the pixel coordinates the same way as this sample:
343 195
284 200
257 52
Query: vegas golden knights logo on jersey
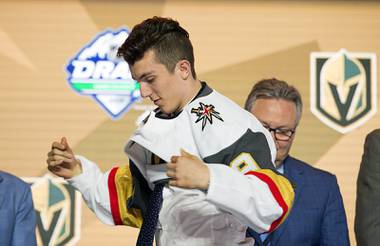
343 88
205 113
58 211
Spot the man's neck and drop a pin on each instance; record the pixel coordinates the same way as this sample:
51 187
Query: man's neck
197 86
194 86
280 164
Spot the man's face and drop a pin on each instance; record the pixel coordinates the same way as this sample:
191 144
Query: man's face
277 114
163 88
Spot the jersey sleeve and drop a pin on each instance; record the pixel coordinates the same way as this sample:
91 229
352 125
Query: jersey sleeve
120 186
108 194
247 185
260 199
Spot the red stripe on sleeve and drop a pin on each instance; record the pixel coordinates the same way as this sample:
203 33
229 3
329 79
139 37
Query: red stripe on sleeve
114 202
276 193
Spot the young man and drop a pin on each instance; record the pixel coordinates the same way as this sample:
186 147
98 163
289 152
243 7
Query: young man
18 218
202 204
318 216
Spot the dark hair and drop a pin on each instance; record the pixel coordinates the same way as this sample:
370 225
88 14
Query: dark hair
165 37
277 89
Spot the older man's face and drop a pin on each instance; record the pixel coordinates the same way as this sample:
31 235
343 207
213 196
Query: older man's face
277 114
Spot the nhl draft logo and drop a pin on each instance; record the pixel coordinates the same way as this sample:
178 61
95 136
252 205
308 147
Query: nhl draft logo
96 71
343 88
205 113
58 210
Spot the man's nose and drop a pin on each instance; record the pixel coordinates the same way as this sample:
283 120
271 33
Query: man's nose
145 90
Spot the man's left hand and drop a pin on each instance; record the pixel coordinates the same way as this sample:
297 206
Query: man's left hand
188 171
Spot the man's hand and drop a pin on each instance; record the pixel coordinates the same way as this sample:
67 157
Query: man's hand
61 160
187 171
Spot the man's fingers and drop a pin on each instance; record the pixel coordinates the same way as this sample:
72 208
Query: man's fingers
57 145
55 155
172 170
171 174
184 153
58 160
65 143
62 145
53 163
177 183
173 182
57 152
171 165
58 170
52 169
174 158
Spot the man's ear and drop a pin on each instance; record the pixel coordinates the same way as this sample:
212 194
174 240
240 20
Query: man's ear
184 69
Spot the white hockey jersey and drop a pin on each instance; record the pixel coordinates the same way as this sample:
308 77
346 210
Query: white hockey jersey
243 191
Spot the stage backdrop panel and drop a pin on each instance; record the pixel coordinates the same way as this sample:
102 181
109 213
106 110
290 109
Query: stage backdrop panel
236 44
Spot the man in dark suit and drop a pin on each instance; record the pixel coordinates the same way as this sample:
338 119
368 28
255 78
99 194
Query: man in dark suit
367 217
317 216
17 216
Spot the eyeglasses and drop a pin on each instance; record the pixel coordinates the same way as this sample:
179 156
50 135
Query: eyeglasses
281 134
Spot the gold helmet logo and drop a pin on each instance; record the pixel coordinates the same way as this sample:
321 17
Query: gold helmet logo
343 88
58 211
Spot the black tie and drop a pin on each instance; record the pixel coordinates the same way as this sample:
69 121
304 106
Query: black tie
149 224
256 236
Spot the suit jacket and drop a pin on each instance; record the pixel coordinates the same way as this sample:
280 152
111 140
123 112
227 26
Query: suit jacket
367 219
17 215
317 216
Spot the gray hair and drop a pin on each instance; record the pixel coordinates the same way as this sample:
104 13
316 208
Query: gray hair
275 89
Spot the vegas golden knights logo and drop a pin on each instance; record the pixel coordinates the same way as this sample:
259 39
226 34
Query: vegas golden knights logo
58 211
343 88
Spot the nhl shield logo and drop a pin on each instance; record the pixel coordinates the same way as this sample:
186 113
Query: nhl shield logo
96 71
58 210
343 88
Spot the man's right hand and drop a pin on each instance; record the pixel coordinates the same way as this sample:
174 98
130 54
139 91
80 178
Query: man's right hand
61 160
